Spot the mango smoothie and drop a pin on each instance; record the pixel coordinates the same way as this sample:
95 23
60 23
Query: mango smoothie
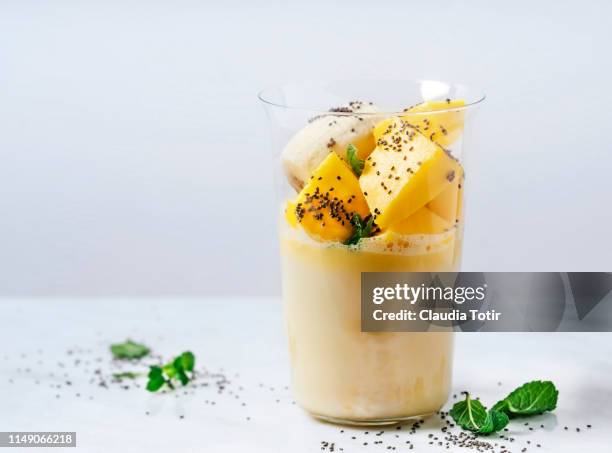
373 193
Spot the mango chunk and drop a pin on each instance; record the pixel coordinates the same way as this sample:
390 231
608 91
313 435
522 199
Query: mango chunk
290 214
424 221
404 173
443 128
448 204
460 202
327 203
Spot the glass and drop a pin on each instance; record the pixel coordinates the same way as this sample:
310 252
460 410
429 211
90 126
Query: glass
370 177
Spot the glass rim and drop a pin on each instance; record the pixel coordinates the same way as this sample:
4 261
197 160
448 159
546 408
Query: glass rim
265 96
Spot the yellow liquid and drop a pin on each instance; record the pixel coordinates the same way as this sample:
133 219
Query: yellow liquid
341 373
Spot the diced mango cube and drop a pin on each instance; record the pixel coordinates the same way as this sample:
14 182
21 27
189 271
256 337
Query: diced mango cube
424 221
443 128
448 203
327 203
404 173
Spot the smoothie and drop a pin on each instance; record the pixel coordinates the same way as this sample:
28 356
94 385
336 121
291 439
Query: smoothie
391 203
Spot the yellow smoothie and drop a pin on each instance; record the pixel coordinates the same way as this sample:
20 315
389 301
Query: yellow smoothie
391 205
341 373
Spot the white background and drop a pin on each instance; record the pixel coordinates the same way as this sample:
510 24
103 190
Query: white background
134 156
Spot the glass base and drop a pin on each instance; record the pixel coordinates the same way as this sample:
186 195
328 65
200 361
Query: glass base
372 422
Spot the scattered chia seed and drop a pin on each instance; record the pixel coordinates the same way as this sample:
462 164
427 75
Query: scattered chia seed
447 435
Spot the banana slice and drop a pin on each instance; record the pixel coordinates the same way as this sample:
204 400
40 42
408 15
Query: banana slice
330 132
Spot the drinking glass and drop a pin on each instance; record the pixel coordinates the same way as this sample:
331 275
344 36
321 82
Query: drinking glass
339 373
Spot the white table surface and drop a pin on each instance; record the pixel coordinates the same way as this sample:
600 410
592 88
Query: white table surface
245 338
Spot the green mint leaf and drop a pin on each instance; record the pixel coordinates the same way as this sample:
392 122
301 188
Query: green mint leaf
501 406
367 229
500 420
357 233
362 230
357 223
470 414
355 162
156 379
188 360
169 370
181 368
177 364
184 362
155 372
182 376
129 350
153 385
529 399
126 375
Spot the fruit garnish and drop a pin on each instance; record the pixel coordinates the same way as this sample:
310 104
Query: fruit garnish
448 203
424 221
326 206
405 171
443 128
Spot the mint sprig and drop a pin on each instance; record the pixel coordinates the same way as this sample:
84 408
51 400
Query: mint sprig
355 162
470 414
129 350
531 398
363 229
181 369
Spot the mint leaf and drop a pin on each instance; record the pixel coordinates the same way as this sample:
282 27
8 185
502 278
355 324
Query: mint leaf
355 162
356 237
473 416
366 231
180 368
362 230
500 420
169 370
182 376
529 399
126 375
188 360
129 350
183 363
156 379
501 406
